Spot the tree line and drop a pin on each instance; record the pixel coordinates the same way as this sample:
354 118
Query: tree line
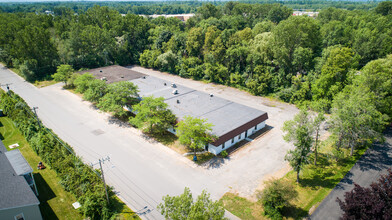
260 48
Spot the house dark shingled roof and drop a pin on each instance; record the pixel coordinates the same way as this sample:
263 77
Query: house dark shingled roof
13 187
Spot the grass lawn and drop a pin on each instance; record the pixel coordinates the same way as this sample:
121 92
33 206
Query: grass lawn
40 84
56 203
242 207
316 182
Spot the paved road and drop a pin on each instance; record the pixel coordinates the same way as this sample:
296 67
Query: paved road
142 171
368 169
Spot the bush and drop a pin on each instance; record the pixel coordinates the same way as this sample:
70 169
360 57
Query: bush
275 197
82 81
224 153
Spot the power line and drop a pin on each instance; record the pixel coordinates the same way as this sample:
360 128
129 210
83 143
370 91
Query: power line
100 161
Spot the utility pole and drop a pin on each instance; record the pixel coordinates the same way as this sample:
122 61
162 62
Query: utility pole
35 112
100 161
7 85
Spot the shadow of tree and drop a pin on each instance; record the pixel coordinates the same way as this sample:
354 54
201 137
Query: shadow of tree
376 158
294 212
119 207
45 194
1 136
165 137
320 175
215 162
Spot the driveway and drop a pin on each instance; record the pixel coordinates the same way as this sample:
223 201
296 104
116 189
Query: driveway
142 171
374 163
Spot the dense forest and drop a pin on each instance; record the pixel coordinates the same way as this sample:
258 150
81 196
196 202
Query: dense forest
261 48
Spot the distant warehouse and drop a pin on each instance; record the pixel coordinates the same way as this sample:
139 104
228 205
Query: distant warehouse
232 122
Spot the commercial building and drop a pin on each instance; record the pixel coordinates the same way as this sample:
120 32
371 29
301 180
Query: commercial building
232 122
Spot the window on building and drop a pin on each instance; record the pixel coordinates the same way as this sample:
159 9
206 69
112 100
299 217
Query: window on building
239 137
232 140
19 217
174 130
256 127
223 145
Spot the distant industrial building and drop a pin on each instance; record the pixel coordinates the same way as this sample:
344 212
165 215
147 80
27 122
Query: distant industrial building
312 14
232 122
17 187
182 17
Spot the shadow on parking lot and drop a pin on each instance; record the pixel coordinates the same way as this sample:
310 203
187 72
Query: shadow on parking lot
215 162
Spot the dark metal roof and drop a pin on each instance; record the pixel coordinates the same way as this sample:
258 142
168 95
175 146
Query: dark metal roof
14 190
114 73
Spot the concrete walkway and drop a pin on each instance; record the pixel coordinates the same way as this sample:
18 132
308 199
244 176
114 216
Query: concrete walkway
375 162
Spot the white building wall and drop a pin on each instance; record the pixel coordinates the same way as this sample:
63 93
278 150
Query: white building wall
216 150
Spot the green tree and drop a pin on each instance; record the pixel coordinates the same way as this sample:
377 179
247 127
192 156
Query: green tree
208 10
261 27
166 62
317 122
384 8
63 74
334 73
152 115
376 76
183 207
194 132
210 36
82 82
195 42
296 31
275 197
95 91
117 96
355 119
298 131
